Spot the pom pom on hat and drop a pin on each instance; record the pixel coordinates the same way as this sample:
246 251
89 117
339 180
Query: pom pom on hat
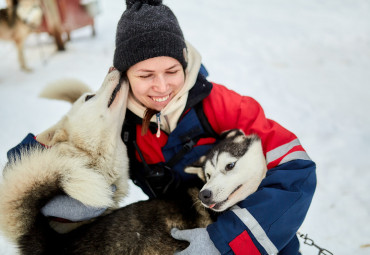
147 29
129 3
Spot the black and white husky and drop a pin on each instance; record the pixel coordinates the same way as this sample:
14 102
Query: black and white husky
232 170
79 164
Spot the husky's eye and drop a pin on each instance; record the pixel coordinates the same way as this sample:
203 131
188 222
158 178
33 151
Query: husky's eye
229 166
88 97
208 176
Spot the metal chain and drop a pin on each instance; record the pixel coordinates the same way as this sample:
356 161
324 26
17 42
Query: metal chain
310 242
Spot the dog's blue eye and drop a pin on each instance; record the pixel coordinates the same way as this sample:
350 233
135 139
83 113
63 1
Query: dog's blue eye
230 166
88 97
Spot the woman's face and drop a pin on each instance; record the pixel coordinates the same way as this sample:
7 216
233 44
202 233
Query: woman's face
155 81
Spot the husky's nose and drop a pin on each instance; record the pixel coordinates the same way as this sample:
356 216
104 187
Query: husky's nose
205 196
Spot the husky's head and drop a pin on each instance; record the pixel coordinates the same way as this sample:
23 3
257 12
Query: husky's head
92 127
231 170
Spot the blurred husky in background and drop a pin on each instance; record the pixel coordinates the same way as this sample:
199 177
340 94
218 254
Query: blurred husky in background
17 22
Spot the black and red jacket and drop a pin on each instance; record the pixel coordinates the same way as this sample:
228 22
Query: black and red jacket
264 223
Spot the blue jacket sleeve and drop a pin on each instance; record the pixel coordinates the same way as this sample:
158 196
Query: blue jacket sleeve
26 144
270 217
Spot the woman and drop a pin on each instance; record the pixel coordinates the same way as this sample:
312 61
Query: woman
189 113
175 115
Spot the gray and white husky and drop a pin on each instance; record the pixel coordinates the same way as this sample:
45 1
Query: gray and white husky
87 156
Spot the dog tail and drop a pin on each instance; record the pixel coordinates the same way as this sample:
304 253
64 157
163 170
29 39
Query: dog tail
30 182
65 89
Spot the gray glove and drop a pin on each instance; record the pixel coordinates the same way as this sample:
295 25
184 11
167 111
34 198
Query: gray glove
66 207
200 242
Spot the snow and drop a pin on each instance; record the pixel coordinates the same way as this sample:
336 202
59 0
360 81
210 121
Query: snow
306 62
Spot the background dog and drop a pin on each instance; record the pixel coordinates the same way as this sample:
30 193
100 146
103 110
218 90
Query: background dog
17 22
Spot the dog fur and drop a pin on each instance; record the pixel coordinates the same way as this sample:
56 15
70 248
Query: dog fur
67 89
139 228
17 22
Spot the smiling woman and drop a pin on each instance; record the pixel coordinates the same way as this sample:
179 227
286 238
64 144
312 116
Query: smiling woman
156 81
181 115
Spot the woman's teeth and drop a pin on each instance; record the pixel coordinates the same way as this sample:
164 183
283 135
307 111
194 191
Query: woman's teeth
160 99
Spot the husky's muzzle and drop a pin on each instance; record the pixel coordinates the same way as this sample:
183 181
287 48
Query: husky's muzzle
206 196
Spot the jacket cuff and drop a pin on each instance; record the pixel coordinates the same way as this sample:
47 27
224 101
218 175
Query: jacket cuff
240 243
218 239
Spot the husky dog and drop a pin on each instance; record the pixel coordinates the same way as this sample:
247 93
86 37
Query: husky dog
18 21
84 158
232 170
76 166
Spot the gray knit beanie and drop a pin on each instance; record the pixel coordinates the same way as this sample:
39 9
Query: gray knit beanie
147 29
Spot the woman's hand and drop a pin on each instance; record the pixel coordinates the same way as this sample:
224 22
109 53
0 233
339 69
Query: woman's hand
199 240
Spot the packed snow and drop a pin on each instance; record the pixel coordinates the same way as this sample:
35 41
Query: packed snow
306 62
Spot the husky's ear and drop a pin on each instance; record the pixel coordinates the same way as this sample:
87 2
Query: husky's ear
231 133
197 168
53 135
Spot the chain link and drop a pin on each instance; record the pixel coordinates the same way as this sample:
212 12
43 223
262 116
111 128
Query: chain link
310 242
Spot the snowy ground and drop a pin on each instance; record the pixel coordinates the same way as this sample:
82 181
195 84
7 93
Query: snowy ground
306 62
